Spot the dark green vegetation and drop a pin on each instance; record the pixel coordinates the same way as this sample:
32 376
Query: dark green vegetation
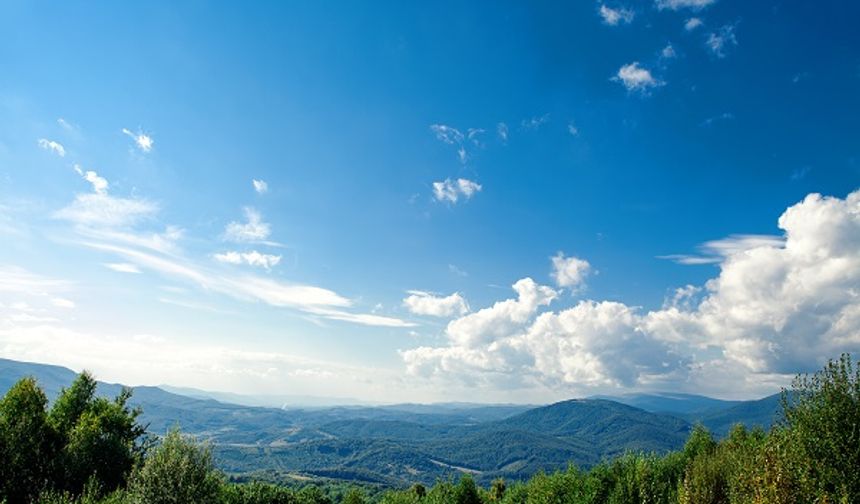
86 449
401 444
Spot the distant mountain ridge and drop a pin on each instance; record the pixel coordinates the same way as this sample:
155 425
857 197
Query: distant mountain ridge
400 444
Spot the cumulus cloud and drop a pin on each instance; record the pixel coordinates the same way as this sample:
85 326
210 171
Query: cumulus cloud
668 52
683 4
569 272
143 141
453 190
425 303
779 305
719 41
100 184
636 78
692 23
52 146
253 230
260 186
252 258
613 17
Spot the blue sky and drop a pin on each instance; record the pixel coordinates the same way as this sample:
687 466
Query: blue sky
624 164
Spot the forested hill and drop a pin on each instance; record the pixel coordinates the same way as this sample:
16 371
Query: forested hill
398 444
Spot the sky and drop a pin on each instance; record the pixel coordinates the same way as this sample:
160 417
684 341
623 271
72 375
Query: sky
448 201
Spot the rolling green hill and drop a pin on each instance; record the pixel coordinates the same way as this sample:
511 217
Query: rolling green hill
400 444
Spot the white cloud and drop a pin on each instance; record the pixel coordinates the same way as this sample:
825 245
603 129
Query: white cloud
683 4
452 190
447 134
252 258
719 41
570 272
636 78
254 230
309 299
123 267
62 302
260 186
692 23
457 271
16 280
100 210
52 146
535 122
572 129
66 125
143 141
104 210
425 303
502 131
453 136
725 116
779 306
716 251
668 52
100 184
613 17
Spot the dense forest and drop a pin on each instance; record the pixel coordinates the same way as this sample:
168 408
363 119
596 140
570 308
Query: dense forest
91 450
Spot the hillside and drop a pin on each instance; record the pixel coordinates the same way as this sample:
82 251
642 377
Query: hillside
398 444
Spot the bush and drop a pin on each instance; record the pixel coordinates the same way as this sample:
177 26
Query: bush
177 472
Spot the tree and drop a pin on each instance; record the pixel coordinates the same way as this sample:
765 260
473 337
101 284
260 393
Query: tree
99 438
178 471
27 443
822 414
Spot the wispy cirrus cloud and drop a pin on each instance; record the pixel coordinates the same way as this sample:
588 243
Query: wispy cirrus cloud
535 122
123 268
725 116
716 251
719 41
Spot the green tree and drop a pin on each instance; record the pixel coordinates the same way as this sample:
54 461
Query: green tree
178 471
99 438
466 491
27 443
822 413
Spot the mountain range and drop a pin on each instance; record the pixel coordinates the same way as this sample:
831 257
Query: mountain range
404 443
